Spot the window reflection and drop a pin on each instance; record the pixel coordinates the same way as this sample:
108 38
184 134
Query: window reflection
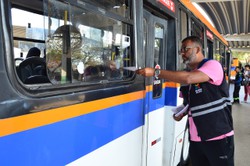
119 7
94 47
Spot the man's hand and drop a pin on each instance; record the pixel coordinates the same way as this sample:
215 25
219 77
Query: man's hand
178 118
146 72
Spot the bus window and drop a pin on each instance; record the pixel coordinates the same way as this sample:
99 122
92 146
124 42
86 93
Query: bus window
210 49
183 29
120 7
217 50
81 44
27 33
221 52
158 51
86 47
198 30
28 37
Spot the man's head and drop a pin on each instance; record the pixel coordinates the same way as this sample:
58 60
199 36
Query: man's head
237 69
191 51
34 51
111 65
247 67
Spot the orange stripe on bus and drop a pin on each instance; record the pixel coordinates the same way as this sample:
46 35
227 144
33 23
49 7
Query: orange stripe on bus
171 84
149 88
25 122
164 85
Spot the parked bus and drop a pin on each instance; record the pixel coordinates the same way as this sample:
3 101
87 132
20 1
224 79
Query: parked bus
78 101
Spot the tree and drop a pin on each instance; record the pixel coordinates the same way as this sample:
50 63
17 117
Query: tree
244 57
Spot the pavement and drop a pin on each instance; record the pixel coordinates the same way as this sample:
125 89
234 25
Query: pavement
241 118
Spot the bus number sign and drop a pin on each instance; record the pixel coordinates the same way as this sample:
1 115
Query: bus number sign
168 3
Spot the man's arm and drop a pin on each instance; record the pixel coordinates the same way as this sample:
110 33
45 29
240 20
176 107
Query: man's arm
183 77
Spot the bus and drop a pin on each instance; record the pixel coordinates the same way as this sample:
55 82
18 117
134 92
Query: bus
77 99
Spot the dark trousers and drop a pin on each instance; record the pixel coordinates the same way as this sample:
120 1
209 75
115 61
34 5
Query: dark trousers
212 153
236 93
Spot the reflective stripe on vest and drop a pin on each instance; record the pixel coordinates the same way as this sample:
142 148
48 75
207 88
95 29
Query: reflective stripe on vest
224 103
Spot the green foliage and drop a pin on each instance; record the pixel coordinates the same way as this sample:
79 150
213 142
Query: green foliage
244 57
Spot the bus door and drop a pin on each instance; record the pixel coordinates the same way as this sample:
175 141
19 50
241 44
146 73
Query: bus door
155 37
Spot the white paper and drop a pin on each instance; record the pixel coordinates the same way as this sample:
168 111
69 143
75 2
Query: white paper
180 110
131 68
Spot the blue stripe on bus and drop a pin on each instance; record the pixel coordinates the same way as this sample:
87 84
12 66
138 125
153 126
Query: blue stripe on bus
169 100
66 141
171 96
157 103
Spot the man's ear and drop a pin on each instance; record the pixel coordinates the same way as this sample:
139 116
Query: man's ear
198 50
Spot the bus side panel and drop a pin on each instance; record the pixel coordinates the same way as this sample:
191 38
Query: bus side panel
173 130
155 137
123 151
165 135
66 141
155 120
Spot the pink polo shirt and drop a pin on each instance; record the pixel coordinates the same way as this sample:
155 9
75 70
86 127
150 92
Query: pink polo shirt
213 69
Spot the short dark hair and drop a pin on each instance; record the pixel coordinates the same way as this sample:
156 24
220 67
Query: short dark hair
237 67
247 66
34 51
193 39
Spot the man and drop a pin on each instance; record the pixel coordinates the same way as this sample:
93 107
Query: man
210 119
237 85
